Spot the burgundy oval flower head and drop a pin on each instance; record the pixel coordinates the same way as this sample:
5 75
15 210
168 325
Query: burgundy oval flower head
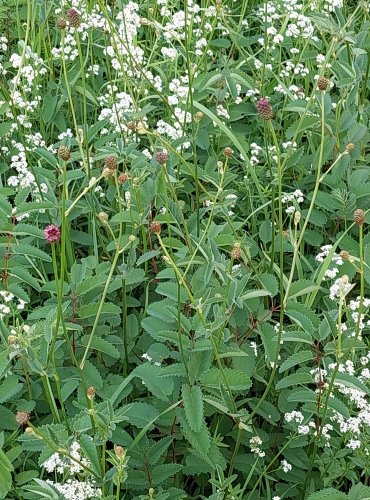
264 109
52 233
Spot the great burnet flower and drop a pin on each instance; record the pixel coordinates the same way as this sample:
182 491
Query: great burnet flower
64 153
264 109
111 162
359 217
322 83
74 18
52 233
161 157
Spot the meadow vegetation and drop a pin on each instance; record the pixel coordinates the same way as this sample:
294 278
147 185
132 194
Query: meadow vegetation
184 249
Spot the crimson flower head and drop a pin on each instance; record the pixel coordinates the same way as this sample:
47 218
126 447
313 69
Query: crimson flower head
52 233
264 109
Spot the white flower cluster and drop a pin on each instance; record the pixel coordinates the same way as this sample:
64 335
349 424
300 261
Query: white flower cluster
24 177
294 416
231 199
73 489
297 25
62 464
175 131
254 347
255 443
340 288
354 428
8 298
126 56
169 53
347 367
296 196
30 67
287 467
255 151
319 374
222 112
359 320
180 90
329 5
294 91
92 70
66 134
3 44
25 85
289 68
116 107
89 19
336 259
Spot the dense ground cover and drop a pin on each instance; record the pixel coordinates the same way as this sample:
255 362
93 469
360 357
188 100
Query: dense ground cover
184 249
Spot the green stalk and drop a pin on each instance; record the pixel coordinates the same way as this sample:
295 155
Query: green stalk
102 300
339 345
50 397
362 279
313 200
190 98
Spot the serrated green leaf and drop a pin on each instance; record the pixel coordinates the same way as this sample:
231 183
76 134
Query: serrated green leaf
201 440
31 251
6 468
269 340
164 471
159 448
327 494
92 376
23 229
4 361
24 275
7 419
296 359
90 310
193 406
101 345
68 387
89 449
301 287
359 492
174 370
5 207
134 276
305 396
199 363
9 388
170 289
303 316
141 414
149 373
90 283
18 292
147 256
34 207
48 157
295 379
269 283
235 380
295 336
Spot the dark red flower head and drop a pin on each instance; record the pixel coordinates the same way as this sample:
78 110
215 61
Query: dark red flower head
52 233
264 109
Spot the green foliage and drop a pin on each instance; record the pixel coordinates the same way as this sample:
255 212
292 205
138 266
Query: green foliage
184 268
